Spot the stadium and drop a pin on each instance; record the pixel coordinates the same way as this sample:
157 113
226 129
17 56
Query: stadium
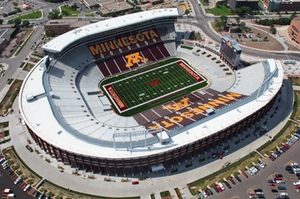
124 96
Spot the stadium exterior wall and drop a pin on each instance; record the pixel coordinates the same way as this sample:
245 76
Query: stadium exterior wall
132 166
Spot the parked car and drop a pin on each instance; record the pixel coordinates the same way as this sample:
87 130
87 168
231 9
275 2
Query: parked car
232 180
246 176
29 148
274 190
216 189
281 187
135 182
227 184
238 178
18 180
210 192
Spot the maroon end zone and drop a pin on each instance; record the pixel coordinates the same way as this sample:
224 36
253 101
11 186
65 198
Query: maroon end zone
116 98
191 72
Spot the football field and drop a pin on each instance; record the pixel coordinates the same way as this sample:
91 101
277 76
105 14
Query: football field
152 85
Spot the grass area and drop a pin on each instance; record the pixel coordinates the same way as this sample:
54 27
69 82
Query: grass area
295 81
67 12
34 15
10 96
4 124
204 3
152 196
220 10
28 67
165 194
150 86
20 167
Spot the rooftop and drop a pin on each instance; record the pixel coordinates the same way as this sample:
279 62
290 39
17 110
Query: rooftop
58 44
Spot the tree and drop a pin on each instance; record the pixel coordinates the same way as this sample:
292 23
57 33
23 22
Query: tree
26 23
74 6
243 10
293 15
219 25
54 14
238 20
192 35
187 11
17 22
224 18
242 26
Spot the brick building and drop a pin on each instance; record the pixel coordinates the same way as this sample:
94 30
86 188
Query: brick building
293 31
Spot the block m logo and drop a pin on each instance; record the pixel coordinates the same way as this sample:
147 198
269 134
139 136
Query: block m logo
134 58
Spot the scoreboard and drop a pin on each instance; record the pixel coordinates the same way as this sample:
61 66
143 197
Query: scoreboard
231 51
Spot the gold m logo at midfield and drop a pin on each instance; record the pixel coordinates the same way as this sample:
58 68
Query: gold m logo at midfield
134 58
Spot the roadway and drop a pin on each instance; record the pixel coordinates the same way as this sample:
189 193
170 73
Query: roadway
202 21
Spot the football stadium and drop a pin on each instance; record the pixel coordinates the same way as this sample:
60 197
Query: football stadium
125 96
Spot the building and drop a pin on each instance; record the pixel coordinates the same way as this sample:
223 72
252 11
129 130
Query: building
282 5
108 6
6 34
293 31
60 26
252 4
71 119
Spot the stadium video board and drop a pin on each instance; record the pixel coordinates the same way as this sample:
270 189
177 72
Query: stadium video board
230 50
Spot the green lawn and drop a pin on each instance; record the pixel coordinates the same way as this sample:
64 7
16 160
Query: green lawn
67 12
220 10
33 15
145 89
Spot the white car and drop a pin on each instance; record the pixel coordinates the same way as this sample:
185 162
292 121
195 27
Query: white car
26 188
2 160
296 183
19 179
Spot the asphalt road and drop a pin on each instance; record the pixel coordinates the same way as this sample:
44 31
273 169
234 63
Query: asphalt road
15 62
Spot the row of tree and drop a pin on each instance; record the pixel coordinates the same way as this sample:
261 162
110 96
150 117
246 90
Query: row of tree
279 21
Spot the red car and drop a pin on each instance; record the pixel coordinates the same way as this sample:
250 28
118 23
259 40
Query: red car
287 145
245 174
232 181
297 186
6 191
135 182
219 188
24 185
272 184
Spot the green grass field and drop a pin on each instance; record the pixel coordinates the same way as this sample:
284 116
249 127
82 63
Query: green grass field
151 86
32 15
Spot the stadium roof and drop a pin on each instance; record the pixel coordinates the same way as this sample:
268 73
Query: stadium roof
58 44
